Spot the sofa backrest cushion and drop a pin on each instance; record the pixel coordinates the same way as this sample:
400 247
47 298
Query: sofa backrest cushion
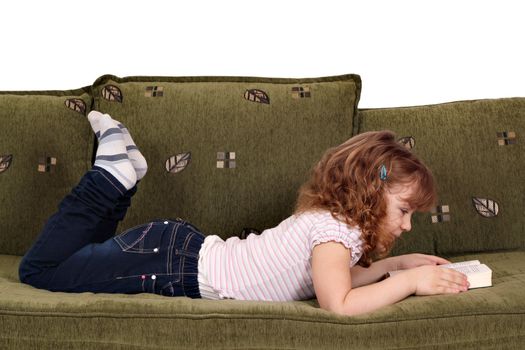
46 145
227 153
476 152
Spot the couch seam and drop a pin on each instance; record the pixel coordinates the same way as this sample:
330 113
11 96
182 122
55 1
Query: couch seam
355 78
373 109
237 317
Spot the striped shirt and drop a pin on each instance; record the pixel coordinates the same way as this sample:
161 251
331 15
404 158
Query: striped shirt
275 265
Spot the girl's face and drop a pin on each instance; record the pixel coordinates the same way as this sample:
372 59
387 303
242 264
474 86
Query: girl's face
398 211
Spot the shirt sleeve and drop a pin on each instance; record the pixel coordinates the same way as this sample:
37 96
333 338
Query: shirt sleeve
338 232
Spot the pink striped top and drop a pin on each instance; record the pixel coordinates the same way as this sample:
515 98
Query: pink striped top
275 265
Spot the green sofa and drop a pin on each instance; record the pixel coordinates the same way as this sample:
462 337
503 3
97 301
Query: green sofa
228 154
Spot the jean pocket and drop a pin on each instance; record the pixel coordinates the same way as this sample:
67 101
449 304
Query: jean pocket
142 239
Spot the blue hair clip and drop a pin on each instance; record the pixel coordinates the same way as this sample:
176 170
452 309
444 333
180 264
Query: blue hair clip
382 172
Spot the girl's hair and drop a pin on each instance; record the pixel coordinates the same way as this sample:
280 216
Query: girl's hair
347 182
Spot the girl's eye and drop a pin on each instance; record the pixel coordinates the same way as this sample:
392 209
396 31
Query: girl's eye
404 211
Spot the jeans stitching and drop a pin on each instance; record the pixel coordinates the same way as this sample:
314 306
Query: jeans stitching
185 251
173 237
112 184
153 286
181 264
171 290
144 274
141 237
117 238
131 248
178 280
75 286
183 257
149 285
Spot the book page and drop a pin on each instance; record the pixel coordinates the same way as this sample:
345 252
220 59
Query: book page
466 267
462 263
471 269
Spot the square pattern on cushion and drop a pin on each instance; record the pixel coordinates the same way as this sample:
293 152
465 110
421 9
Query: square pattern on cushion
475 150
227 153
46 145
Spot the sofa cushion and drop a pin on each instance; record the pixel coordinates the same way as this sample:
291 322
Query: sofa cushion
475 150
46 145
492 317
227 153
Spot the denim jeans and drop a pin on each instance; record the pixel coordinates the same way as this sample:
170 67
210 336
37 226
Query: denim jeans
78 252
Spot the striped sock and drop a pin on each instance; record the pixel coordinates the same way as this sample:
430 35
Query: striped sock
137 159
93 118
111 153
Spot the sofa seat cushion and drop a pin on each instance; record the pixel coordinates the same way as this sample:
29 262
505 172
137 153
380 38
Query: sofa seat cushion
480 318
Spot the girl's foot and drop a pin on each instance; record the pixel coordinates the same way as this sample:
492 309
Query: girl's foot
137 159
111 153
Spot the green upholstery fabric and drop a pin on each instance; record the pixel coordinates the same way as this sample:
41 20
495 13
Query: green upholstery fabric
485 318
476 152
272 141
274 144
48 144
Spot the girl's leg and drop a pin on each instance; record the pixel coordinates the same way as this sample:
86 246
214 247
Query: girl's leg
108 226
157 257
88 208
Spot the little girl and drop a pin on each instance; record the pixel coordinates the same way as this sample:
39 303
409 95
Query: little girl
360 197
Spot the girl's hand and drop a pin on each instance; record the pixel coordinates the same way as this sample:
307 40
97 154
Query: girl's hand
409 261
429 280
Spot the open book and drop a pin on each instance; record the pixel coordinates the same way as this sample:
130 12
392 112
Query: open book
478 275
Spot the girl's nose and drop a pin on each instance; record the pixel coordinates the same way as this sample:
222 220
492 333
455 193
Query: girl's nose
406 225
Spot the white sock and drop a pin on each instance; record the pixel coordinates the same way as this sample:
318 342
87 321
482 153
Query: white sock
137 159
93 118
111 153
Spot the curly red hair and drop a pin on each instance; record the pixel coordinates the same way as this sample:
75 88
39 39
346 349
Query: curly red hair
346 182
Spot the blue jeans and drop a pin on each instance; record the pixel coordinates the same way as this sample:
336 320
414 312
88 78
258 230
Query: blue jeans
78 252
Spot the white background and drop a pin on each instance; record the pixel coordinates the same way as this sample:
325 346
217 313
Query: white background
406 52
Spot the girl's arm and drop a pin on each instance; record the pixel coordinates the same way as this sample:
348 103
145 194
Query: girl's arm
333 283
362 276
